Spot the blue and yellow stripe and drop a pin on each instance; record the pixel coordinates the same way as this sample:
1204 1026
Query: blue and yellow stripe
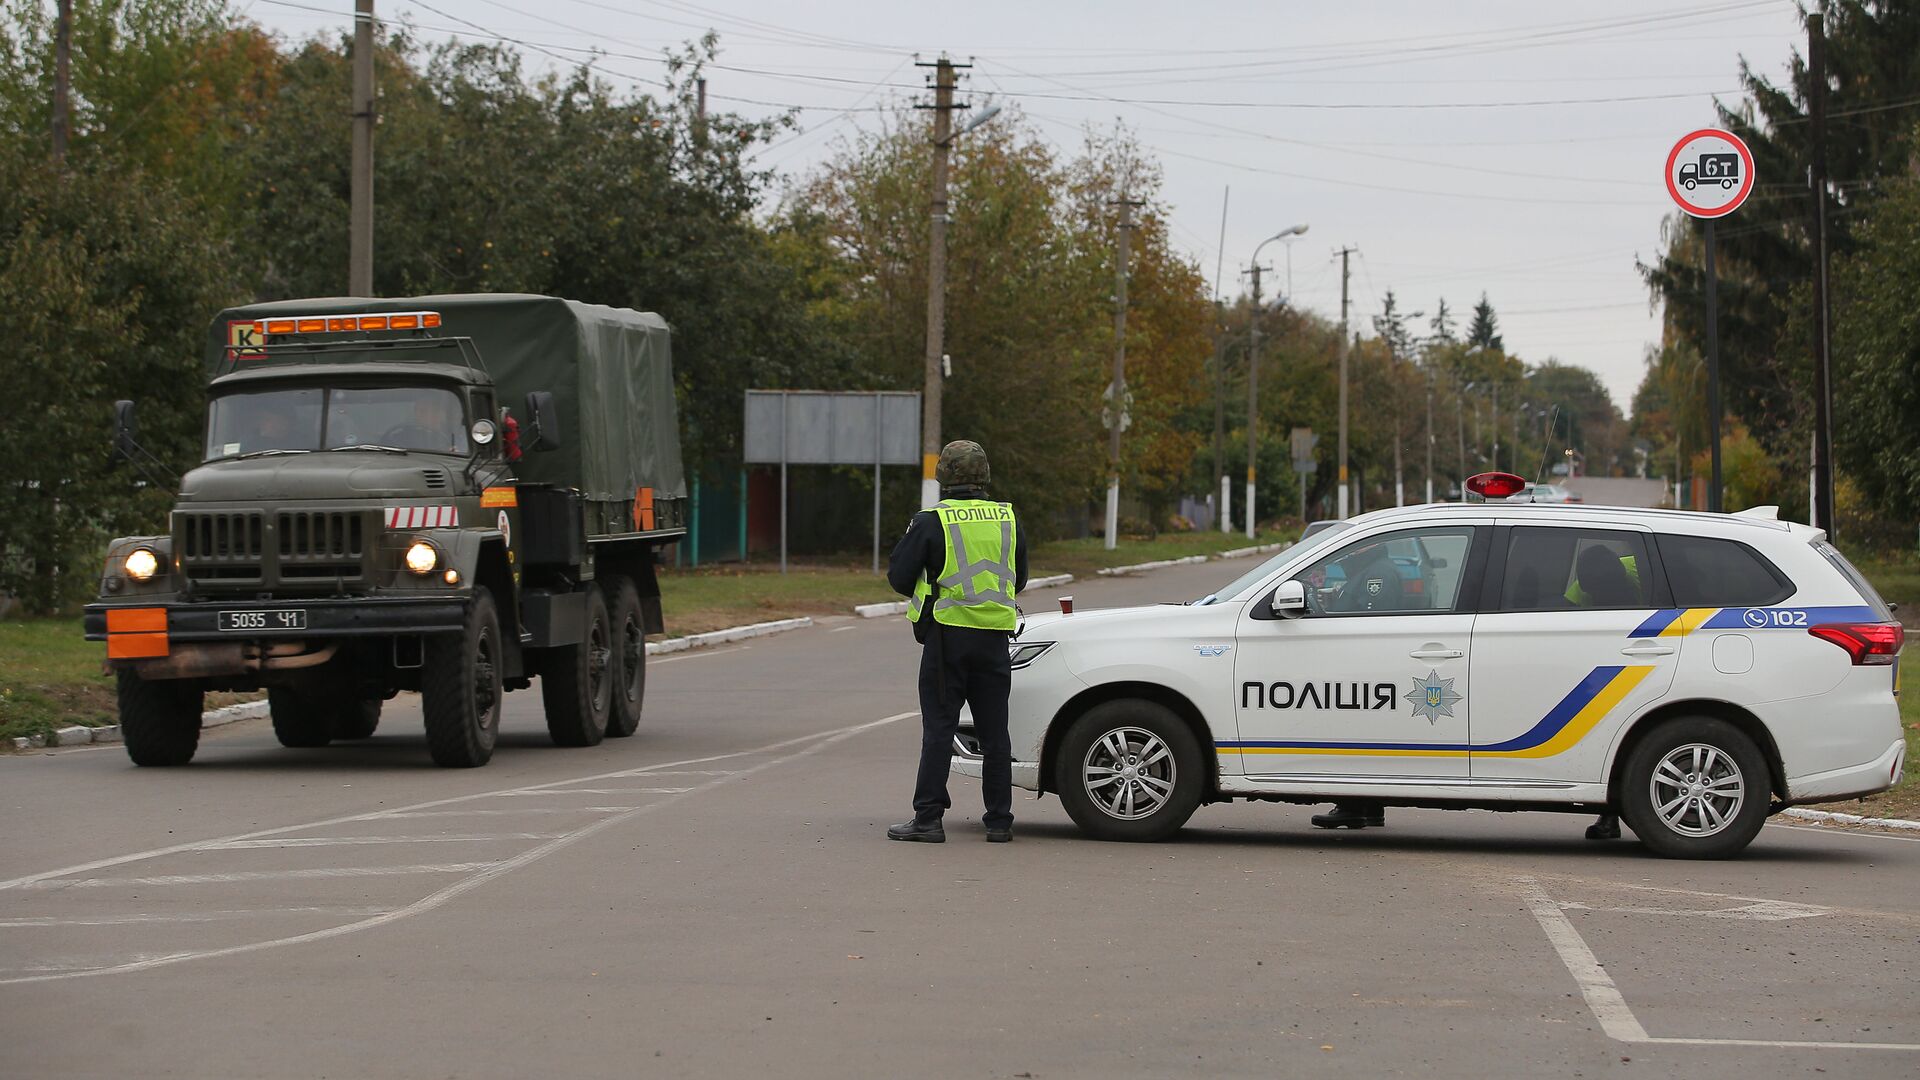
1559 730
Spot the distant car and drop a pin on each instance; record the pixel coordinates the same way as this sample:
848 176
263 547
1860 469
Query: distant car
1544 493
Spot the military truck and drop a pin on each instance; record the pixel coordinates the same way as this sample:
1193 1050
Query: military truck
364 522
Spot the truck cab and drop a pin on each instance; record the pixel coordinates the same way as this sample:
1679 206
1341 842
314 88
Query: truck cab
426 495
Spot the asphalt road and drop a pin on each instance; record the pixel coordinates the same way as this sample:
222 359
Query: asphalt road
714 898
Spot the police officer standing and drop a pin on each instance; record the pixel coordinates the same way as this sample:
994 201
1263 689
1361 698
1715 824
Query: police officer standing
961 563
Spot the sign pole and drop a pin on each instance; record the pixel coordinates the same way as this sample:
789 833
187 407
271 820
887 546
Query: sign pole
1713 374
783 483
876 483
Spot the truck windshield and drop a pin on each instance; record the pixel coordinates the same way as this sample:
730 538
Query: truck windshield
304 419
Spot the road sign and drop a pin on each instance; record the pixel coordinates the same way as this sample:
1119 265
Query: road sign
1301 441
1710 173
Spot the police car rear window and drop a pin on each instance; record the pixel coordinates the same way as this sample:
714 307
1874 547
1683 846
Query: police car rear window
1705 571
1856 579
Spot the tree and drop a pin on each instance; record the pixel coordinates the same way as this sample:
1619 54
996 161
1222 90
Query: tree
1391 325
1485 331
1442 323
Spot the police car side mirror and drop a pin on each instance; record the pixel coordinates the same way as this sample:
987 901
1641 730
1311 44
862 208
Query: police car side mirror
1290 600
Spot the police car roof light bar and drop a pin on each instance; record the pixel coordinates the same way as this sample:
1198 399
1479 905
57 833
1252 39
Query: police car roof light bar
1496 485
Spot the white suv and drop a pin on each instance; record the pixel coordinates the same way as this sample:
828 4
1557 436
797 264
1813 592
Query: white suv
1691 672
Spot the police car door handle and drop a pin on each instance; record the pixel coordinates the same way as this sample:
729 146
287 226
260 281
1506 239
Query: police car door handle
1647 648
1436 654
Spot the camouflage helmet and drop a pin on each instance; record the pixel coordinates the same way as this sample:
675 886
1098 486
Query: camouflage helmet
962 462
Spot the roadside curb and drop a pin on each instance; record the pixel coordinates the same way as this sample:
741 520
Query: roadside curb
731 633
899 607
1833 817
1161 564
80 736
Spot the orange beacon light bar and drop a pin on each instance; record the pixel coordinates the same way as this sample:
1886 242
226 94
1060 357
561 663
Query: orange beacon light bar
336 324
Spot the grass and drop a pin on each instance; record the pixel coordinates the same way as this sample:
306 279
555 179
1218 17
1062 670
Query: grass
50 678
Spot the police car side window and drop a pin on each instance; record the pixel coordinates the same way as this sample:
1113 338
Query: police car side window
1569 569
1401 573
1709 572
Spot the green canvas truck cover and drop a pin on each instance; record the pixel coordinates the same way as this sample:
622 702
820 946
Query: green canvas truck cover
610 371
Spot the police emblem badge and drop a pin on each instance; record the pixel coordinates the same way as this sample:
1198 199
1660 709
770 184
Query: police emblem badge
1433 697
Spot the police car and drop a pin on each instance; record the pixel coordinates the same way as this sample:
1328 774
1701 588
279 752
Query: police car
1692 672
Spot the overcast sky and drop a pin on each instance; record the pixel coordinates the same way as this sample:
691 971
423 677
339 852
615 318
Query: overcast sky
1511 146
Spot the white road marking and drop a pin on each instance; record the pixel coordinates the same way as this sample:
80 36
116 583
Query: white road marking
818 742
698 654
594 791
353 841
181 917
1610 1008
477 812
262 875
1761 911
371 815
839 629
1835 830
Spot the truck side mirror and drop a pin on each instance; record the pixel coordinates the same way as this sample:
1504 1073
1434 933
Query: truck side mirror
546 421
1290 600
125 430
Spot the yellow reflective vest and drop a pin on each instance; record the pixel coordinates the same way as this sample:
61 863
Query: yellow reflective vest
976 583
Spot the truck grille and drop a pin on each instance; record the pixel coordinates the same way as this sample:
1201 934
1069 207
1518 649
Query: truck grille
304 550
324 544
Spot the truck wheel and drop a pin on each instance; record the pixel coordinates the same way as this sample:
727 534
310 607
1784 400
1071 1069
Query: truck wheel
301 719
629 655
358 720
1129 770
460 688
1696 788
159 720
576 681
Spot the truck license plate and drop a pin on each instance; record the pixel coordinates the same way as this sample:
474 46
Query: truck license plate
279 619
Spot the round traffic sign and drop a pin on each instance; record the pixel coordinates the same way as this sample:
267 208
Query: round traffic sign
1710 172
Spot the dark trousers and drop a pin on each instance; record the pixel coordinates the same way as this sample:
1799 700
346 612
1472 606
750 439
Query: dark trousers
964 666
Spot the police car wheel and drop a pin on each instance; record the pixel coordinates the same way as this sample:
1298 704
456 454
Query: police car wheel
1696 788
1129 770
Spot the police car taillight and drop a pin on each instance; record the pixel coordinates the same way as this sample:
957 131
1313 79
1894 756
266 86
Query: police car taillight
1496 485
1866 643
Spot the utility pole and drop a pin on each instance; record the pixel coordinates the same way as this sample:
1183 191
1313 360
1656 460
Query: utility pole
62 80
1429 433
1345 346
700 111
1220 373
1253 398
1822 514
930 441
1460 424
360 213
1117 392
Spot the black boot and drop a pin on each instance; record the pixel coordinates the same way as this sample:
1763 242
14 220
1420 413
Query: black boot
1351 816
925 832
1000 835
1605 827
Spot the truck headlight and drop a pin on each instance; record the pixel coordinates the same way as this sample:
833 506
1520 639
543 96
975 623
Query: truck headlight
1023 653
142 564
422 558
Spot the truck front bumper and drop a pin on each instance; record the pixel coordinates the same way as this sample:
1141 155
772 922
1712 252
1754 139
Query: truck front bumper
157 625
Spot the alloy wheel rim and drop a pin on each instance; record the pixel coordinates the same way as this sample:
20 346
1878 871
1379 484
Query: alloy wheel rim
1129 773
1697 789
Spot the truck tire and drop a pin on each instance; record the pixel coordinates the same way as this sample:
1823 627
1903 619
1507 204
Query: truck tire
358 720
576 681
460 688
302 719
1695 788
1130 770
629 654
159 720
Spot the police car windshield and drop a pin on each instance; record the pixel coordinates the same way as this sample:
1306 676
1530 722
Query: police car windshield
1253 577
293 420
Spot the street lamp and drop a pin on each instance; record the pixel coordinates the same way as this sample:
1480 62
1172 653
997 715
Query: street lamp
1253 370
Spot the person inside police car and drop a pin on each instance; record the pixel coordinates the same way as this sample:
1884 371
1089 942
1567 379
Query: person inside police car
961 564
